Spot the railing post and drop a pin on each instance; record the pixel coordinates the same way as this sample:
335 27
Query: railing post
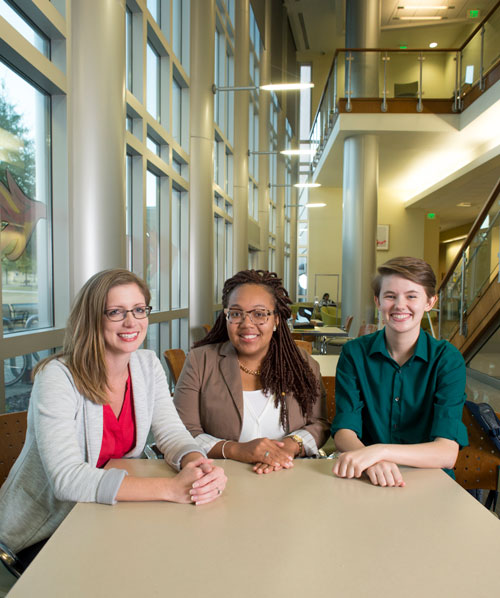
349 59
335 64
440 314
386 59
481 68
462 294
456 102
419 104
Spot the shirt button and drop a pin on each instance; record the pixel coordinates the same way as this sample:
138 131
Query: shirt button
396 399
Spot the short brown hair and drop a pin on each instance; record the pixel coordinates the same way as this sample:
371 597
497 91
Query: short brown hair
83 350
411 268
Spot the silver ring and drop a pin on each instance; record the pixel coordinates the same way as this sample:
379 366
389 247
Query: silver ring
219 491
266 454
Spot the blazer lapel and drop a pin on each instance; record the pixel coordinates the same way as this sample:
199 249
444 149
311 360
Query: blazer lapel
230 371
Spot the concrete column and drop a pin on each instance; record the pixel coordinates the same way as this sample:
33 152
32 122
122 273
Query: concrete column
241 104
360 184
201 244
264 99
97 138
280 200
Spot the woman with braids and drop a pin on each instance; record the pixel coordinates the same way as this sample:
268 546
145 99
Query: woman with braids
246 391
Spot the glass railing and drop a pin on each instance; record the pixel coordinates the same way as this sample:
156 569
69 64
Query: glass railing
444 75
476 266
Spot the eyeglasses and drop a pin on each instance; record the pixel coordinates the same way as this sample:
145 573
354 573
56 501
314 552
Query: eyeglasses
117 315
257 316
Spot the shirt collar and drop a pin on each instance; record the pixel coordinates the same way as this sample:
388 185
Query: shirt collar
421 350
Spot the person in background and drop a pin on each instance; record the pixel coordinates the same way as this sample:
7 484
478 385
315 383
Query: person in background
399 392
94 401
246 391
325 301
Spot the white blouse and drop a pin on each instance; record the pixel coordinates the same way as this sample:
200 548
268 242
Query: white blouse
261 419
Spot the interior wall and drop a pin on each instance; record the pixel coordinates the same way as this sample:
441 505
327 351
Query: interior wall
325 241
431 243
406 227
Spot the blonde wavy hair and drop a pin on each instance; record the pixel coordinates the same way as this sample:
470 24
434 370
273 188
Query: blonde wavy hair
83 349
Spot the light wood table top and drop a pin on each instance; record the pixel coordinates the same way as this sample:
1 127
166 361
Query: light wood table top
297 532
327 364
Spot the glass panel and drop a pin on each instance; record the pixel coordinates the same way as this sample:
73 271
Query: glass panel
487 360
153 146
177 28
25 188
176 248
153 81
176 111
17 379
154 9
152 340
128 209
153 237
129 62
25 28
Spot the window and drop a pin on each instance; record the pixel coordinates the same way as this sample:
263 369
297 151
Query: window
153 237
25 204
24 26
153 82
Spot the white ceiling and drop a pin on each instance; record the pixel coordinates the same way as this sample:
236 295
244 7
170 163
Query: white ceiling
318 27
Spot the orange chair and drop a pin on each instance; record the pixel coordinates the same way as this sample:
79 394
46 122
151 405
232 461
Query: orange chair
329 384
206 328
340 341
12 435
478 464
175 359
306 345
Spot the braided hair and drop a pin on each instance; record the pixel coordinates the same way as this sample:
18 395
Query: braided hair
283 370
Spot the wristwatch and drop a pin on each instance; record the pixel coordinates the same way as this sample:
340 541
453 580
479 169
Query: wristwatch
299 441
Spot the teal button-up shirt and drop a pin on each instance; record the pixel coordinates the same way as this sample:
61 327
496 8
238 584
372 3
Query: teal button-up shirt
384 402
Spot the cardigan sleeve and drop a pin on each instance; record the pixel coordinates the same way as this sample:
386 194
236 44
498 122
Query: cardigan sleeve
55 403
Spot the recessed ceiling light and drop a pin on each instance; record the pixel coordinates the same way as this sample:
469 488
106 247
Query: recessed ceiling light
420 18
433 45
424 7
464 204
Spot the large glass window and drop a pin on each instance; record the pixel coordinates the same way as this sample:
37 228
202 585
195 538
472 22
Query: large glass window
153 81
153 237
24 204
179 244
25 27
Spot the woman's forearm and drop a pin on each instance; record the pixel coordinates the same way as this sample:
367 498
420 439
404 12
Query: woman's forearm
440 453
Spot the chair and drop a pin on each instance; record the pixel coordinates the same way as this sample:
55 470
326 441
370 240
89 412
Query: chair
406 90
363 330
329 384
12 436
478 464
329 315
206 328
306 345
175 359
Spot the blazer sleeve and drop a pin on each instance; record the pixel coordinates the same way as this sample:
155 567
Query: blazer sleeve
170 433
187 394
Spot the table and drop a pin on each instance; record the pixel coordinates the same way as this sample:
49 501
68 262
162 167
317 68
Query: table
322 332
296 532
327 364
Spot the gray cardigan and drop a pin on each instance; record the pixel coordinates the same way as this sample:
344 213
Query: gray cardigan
57 466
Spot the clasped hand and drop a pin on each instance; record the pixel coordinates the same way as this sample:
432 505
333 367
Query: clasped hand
270 455
200 482
369 460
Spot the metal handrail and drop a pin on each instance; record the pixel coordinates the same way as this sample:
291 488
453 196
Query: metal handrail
472 233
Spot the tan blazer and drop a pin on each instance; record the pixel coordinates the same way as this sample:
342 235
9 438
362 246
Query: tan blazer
209 396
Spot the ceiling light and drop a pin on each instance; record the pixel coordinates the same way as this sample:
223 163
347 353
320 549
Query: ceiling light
306 185
433 45
307 151
420 18
424 7
286 86
315 205
464 204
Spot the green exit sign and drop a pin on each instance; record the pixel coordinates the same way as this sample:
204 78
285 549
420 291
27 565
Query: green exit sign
473 14
431 216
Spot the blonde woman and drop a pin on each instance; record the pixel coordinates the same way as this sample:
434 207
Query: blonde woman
94 401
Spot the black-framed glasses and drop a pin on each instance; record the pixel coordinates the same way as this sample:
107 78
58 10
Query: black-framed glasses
257 316
117 315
